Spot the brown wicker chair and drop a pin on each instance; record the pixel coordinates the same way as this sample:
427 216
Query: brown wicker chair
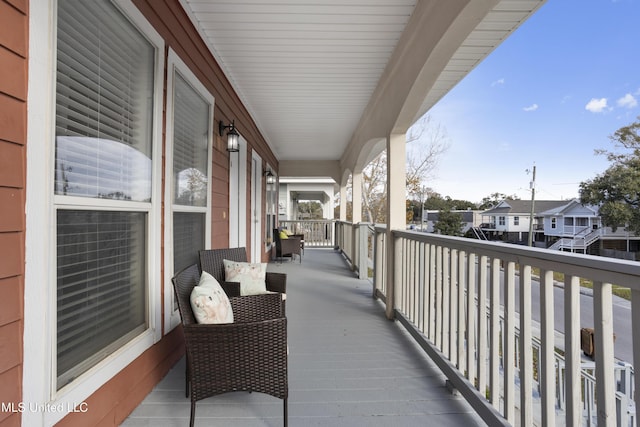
247 355
287 247
211 262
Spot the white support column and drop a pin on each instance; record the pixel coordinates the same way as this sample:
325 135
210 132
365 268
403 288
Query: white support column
343 201
356 216
396 206
357 197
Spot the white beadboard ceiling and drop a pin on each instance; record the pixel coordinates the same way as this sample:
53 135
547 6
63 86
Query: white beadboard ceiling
307 69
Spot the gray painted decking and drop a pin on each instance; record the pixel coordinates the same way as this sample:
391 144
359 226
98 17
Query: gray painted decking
348 365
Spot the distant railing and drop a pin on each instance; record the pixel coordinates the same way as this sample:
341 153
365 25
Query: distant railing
317 233
437 283
580 241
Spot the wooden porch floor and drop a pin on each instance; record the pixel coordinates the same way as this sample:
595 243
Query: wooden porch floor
348 365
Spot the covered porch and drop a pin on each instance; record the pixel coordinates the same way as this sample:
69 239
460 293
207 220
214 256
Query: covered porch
348 365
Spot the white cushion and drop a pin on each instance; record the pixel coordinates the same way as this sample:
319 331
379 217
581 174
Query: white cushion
209 302
252 277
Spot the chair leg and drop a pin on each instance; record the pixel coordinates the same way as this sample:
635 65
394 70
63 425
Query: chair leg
186 377
193 413
286 413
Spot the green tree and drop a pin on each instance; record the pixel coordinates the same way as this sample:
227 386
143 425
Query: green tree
436 202
494 198
310 210
617 189
449 223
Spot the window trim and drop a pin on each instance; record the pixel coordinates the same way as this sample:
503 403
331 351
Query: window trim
238 196
176 65
39 382
271 202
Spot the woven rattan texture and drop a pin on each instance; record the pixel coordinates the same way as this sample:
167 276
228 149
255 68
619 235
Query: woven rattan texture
249 354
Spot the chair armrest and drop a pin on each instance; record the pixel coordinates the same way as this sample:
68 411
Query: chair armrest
276 282
232 289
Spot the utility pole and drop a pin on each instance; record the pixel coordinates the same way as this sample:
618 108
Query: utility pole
532 185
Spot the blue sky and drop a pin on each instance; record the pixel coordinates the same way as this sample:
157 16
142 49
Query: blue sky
550 94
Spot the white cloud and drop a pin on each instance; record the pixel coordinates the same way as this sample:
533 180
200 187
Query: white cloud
627 101
498 82
532 107
597 105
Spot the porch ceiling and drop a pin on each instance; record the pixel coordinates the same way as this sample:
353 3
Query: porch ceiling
307 70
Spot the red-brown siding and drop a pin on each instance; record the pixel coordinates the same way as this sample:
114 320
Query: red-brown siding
13 129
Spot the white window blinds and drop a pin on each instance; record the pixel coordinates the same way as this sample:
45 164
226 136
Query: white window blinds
190 145
104 103
100 292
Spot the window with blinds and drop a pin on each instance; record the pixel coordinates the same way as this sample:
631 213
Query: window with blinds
100 267
190 145
191 133
104 115
188 238
104 97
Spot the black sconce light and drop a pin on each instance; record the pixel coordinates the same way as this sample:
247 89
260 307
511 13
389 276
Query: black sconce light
232 135
271 178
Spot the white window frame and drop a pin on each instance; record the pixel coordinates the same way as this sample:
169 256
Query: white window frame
176 65
271 202
258 245
39 373
238 195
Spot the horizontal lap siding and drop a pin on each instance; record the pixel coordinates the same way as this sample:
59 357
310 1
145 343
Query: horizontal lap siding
170 20
13 125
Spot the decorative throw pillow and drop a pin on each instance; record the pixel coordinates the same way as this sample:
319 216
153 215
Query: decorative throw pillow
284 235
250 276
209 302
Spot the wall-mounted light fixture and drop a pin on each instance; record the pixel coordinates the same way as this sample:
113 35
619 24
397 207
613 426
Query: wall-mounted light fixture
271 178
232 135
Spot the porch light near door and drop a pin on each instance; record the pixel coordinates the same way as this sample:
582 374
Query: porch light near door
232 135
271 178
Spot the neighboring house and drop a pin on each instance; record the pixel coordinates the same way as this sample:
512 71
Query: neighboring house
509 220
566 225
572 227
470 219
619 244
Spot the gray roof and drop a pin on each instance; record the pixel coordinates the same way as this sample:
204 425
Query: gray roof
524 206
467 215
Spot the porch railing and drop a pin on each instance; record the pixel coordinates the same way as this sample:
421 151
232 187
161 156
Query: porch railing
486 350
317 233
